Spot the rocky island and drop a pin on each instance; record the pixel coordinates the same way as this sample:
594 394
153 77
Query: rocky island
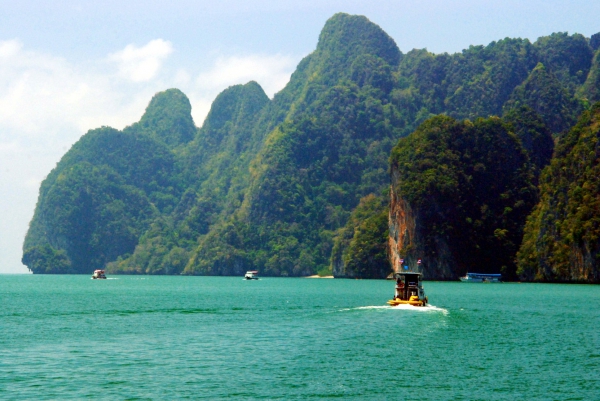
299 184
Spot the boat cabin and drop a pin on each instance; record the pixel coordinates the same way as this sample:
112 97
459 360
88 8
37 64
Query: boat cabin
409 290
408 284
98 274
251 275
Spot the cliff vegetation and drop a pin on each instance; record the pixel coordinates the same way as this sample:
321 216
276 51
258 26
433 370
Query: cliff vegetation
562 235
461 192
299 184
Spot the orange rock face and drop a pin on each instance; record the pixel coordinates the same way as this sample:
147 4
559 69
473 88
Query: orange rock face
402 230
406 241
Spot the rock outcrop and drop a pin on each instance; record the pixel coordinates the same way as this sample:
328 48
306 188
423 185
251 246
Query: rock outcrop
406 241
561 241
279 185
460 195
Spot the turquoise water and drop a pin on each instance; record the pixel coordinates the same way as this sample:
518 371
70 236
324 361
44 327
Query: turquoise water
168 338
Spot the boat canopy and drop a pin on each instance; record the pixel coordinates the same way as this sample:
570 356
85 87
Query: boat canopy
408 275
483 275
397 274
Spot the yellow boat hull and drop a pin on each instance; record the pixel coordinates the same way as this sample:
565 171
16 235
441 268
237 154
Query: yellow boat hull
414 301
395 302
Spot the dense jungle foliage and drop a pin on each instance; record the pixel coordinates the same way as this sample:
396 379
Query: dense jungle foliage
471 187
274 184
562 235
360 249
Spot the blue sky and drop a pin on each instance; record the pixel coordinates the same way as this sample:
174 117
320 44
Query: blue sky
69 66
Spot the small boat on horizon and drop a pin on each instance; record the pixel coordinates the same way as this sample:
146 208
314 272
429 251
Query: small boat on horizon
409 290
98 275
251 275
481 278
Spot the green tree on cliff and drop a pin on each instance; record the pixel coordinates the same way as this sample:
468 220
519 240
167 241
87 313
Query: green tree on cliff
562 235
271 183
470 186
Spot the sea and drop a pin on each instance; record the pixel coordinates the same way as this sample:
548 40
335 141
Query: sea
67 337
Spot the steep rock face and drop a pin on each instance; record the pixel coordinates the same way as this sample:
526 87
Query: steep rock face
105 193
315 166
460 194
402 230
561 241
275 184
406 242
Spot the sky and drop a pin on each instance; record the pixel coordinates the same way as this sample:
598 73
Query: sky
69 66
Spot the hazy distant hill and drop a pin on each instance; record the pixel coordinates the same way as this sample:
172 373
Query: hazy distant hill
274 184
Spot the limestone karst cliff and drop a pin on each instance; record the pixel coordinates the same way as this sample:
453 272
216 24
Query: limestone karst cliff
459 198
285 185
406 243
562 235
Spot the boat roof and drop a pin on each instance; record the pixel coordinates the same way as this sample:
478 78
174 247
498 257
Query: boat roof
485 274
406 274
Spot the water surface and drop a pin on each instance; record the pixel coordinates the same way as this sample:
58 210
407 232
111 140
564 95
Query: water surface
156 338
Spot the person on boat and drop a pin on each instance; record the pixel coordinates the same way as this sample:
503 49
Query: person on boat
399 287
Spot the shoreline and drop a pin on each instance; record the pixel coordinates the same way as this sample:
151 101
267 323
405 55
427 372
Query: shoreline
317 276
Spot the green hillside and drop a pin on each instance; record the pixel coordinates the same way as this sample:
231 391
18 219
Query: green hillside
274 184
562 235
470 187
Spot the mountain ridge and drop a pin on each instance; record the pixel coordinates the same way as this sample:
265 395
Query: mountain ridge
277 184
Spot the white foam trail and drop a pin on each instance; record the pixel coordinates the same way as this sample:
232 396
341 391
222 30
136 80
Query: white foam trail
427 308
372 307
363 307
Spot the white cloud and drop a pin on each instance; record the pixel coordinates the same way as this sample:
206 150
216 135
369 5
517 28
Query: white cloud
143 63
272 72
47 103
9 47
43 96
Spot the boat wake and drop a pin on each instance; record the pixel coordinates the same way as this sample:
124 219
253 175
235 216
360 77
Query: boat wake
370 307
427 308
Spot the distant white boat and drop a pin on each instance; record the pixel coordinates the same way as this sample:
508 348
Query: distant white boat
481 278
98 274
251 275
